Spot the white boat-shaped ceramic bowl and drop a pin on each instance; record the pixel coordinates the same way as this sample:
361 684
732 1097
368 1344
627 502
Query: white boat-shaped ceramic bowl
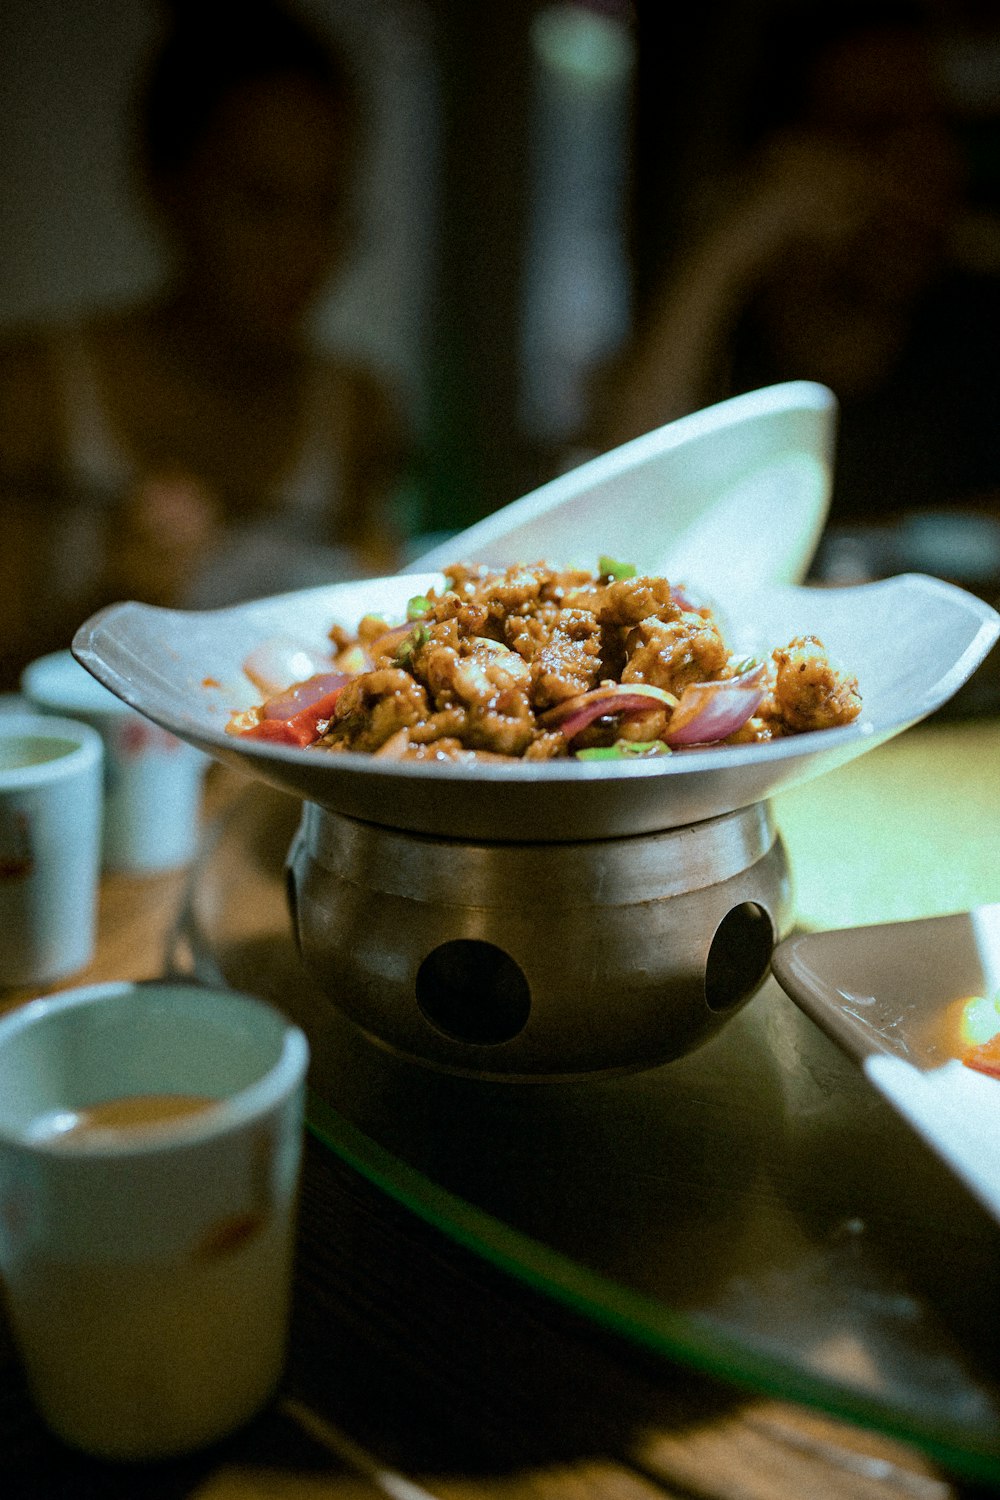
729 501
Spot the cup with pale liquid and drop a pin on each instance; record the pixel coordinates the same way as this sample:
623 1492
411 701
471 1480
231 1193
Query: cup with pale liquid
150 1141
50 844
152 780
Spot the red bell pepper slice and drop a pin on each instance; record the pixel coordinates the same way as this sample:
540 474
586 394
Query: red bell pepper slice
985 1058
300 726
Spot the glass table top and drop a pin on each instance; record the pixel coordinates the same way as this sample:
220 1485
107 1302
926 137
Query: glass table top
755 1209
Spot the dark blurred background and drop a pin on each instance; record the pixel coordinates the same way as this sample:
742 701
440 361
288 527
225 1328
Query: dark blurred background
528 170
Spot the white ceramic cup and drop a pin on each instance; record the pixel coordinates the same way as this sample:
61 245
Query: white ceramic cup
148 1271
50 843
152 780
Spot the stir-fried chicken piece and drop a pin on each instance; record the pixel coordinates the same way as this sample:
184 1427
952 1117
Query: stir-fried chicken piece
688 649
809 693
374 706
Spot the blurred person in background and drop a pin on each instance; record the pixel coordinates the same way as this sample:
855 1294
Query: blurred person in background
194 449
827 257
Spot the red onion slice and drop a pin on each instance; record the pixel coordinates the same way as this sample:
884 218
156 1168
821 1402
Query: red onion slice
574 714
712 711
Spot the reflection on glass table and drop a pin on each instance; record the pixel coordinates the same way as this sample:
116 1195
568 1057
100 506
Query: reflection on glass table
755 1209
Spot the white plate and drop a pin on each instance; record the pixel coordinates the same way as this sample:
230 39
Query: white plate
889 995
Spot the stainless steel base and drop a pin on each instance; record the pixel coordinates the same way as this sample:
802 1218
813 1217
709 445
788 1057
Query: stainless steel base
539 960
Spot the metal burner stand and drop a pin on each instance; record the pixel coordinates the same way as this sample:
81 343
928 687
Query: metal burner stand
539 960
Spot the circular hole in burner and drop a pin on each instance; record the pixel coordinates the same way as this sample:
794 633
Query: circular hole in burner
739 956
473 992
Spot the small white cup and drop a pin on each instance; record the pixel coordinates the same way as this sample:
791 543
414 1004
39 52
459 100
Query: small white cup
50 842
152 780
148 1272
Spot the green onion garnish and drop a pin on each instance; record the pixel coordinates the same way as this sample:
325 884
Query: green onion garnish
417 637
608 567
625 750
